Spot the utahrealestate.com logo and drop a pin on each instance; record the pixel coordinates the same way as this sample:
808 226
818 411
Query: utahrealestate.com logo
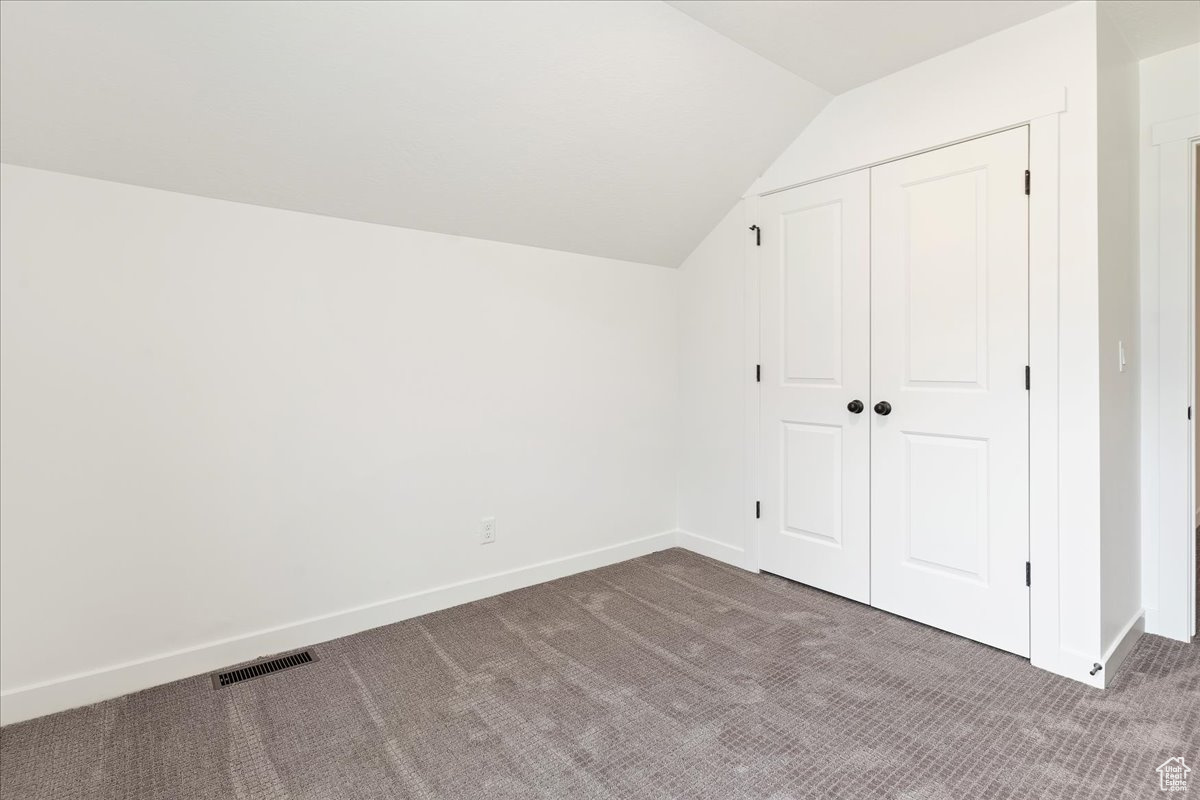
1173 775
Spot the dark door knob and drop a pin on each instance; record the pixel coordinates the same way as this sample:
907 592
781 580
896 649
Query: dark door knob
883 408
855 407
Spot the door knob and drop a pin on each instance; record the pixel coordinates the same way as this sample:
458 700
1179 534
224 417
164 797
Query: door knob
883 408
855 407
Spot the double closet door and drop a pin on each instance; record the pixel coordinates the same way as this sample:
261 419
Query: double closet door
894 407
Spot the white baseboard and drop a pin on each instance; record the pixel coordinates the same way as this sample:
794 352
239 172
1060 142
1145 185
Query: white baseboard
711 548
1152 622
1078 666
1122 646
27 702
1070 663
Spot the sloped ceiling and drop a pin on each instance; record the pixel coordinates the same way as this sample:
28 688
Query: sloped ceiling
619 129
842 44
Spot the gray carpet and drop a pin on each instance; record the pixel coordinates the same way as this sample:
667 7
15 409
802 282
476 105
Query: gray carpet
667 676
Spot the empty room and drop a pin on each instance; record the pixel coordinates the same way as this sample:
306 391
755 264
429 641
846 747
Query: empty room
545 399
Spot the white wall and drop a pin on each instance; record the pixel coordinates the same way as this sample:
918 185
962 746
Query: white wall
1170 95
225 425
1120 524
713 378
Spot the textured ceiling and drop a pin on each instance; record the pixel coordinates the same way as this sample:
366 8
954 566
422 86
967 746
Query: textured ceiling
1155 26
615 129
841 44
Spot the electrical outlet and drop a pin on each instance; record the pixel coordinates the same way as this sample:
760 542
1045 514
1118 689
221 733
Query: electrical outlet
487 530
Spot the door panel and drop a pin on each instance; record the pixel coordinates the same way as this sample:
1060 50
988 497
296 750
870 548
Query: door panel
815 360
812 284
949 464
947 504
812 481
945 282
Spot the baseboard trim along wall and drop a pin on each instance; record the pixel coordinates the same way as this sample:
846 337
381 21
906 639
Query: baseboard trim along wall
711 548
27 702
1121 647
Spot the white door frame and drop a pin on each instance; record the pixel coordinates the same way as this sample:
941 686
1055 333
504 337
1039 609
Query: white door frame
1193 331
1169 385
1048 649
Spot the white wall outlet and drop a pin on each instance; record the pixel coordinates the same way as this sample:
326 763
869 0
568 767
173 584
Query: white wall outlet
487 530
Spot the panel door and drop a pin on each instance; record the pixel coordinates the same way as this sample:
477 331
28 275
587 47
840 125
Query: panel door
815 524
950 462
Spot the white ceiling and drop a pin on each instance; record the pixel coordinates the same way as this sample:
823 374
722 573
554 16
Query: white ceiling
1155 26
607 128
841 44
619 129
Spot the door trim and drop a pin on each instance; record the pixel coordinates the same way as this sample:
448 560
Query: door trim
1168 515
753 421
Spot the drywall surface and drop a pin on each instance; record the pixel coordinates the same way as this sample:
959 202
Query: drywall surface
961 94
221 419
1120 523
839 46
612 129
1170 96
713 376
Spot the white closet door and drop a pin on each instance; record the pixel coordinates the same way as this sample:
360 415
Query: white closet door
950 462
815 525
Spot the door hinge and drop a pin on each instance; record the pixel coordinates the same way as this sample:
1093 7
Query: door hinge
1027 377
1026 181
1027 574
1189 412
758 509
758 375
757 235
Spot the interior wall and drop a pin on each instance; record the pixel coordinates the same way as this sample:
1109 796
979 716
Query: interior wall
1169 86
1118 125
225 424
712 390
1042 67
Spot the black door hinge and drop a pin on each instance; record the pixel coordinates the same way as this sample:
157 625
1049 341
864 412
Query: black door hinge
1026 181
1027 377
757 235
1027 574
1189 412
758 375
758 509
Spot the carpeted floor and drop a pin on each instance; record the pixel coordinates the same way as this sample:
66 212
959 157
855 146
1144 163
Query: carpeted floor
669 676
